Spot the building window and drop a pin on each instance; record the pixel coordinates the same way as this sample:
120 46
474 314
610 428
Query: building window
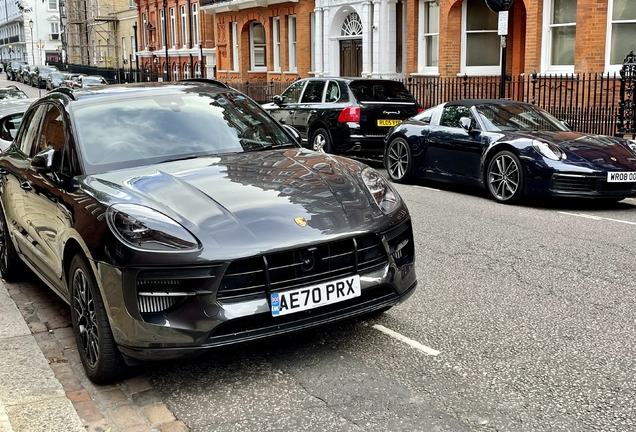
145 30
258 51
55 31
480 48
559 18
276 39
163 26
175 72
132 4
291 31
197 70
620 33
53 5
124 55
133 42
234 58
173 28
195 24
186 71
352 25
428 37
184 27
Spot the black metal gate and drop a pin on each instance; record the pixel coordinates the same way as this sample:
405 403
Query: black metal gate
626 123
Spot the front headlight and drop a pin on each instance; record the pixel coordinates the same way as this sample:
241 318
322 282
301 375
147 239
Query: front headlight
387 199
548 150
146 229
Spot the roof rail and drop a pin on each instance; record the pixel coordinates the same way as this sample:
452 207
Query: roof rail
206 80
67 91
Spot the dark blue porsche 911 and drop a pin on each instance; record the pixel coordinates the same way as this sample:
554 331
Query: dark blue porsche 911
511 149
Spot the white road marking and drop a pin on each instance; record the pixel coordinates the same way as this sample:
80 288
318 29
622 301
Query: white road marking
428 188
597 217
411 342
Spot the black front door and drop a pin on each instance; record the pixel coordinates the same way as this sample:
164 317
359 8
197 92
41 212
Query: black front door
351 58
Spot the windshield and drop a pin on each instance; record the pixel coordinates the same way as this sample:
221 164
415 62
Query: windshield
12 93
516 116
137 131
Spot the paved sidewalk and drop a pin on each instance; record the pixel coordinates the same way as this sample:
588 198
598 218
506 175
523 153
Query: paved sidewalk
31 398
43 387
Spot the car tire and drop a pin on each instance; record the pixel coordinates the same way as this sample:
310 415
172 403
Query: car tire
11 265
398 160
103 363
321 141
504 177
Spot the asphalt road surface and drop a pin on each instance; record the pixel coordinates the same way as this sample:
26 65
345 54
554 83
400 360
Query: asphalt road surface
523 320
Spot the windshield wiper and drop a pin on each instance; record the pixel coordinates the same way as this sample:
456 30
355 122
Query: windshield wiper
181 158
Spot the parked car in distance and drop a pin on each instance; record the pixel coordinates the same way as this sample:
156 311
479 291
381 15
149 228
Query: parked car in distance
344 115
227 232
54 80
91 81
39 74
23 73
71 80
11 112
12 69
511 149
12 92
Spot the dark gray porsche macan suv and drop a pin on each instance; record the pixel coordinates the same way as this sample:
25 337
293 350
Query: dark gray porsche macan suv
179 217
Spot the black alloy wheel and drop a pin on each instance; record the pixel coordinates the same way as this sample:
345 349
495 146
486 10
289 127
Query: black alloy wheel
505 177
102 360
11 266
398 160
321 141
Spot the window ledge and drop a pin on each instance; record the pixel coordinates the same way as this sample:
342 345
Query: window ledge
425 74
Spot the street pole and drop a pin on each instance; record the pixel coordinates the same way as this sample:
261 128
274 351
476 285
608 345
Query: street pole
32 45
165 35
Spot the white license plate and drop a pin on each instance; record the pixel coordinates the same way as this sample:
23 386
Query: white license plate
621 176
313 296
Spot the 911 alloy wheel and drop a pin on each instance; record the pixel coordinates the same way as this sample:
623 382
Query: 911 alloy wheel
505 177
398 160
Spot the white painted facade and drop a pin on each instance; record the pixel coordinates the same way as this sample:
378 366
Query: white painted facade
378 34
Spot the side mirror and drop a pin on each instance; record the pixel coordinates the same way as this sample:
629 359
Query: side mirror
466 124
293 132
279 100
44 162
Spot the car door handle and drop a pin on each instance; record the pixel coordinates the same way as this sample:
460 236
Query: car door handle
3 171
313 111
25 184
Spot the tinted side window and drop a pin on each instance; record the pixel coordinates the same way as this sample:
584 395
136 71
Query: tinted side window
333 92
52 136
30 130
292 94
313 92
425 116
452 114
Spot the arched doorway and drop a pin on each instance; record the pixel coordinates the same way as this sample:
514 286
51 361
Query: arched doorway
351 46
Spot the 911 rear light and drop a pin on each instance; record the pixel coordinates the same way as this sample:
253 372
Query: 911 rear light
349 114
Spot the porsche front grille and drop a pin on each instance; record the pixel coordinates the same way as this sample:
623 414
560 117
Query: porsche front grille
299 267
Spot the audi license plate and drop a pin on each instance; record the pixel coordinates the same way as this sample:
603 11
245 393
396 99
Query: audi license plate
621 177
388 123
313 296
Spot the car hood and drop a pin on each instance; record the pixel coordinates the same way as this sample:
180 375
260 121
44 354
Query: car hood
258 200
606 151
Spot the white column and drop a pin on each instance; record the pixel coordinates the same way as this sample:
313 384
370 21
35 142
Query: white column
367 39
326 20
390 67
376 39
318 56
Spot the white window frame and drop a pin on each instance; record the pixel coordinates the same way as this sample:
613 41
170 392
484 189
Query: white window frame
184 27
55 7
475 70
175 72
276 42
234 47
173 28
546 46
164 37
195 24
133 39
608 44
132 4
292 43
253 66
422 35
